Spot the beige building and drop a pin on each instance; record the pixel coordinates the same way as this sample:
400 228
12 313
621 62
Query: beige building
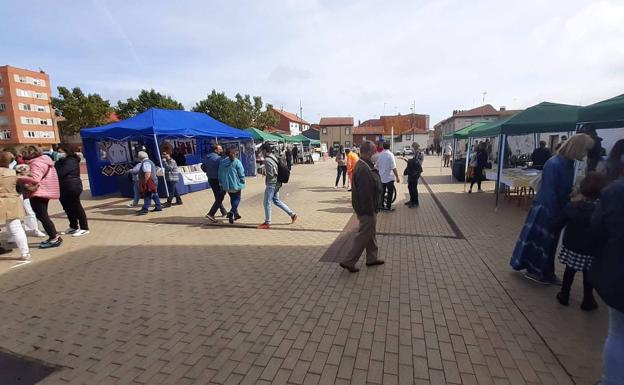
461 119
26 115
336 131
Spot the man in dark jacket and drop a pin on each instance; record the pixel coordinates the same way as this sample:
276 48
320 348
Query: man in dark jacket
540 155
211 167
365 196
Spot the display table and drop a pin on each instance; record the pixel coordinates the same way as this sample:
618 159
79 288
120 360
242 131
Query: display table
518 183
192 179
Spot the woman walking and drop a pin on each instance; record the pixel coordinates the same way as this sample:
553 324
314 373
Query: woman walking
480 162
342 167
172 175
537 244
68 170
11 207
42 185
232 180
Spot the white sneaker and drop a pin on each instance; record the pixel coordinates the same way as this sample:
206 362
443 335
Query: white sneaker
36 233
80 233
26 257
132 205
335 187
70 231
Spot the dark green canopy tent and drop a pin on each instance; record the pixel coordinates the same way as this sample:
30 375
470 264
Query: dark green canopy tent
489 129
463 133
261 136
605 114
544 117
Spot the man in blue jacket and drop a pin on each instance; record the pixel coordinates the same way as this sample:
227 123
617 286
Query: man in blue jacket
211 166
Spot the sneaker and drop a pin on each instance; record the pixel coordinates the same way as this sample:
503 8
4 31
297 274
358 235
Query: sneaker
230 217
142 212
479 190
264 226
237 217
293 218
211 218
335 187
80 233
375 262
132 205
36 233
49 244
156 209
349 268
69 231
178 203
26 257
166 205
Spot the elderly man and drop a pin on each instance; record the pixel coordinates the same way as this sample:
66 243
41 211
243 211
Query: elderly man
148 184
386 164
365 196
412 172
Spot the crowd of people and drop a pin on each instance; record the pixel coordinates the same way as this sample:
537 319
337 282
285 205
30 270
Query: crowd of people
29 180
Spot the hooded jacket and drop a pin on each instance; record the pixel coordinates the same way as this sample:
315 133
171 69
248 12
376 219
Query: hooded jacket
68 171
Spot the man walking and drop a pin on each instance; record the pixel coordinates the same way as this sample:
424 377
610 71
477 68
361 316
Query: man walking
413 171
148 181
211 166
273 185
365 195
386 164
448 150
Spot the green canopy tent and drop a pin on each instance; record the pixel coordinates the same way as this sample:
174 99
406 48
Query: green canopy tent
463 132
605 114
288 138
261 136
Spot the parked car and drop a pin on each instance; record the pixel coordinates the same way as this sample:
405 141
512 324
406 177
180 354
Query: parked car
407 150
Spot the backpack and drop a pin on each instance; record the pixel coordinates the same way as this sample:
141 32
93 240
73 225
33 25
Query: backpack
283 173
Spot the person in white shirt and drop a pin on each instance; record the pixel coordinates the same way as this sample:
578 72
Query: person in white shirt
386 164
448 151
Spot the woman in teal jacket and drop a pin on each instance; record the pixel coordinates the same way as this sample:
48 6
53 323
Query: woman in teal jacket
232 181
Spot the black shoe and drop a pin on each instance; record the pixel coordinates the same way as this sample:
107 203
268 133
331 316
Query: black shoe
412 205
237 217
230 217
589 304
376 262
389 209
351 269
156 209
408 203
48 244
166 205
142 212
565 301
178 203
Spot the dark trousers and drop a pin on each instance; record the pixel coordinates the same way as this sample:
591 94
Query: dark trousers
568 279
478 177
341 170
219 194
412 186
173 192
40 207
387 191
365 239
235 198
70 200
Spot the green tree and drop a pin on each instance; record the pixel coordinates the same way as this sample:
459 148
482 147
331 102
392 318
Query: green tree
240 112
144 101
80 110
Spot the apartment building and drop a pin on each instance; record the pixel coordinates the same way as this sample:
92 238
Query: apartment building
336 131
26 114
289 123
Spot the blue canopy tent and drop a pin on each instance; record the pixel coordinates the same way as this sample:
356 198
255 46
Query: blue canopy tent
150 129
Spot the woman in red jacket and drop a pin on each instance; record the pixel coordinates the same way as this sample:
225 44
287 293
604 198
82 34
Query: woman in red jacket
42 185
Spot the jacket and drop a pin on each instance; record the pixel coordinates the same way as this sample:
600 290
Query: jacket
366 188
578 235
352 159
607 271
211 165
11 206
153 175
556 185
68 171
481 159
270 167
42 171
414 168
231 175
171 170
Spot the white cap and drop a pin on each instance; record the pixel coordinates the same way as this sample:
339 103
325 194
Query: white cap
142 155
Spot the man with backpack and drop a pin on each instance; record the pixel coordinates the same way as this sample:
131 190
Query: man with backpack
277 173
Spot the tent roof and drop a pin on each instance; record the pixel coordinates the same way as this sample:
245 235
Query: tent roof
543 117
174 123
288 138
263 136
491 128
605 114
463 132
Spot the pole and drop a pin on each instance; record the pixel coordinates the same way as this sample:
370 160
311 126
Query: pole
453 153
392 138
499 172
467 161
535 139
161 165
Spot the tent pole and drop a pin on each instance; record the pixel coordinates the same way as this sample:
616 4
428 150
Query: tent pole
499 171
161 165
467 161
453 157
535 139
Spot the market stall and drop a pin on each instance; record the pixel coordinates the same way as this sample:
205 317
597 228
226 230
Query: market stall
110 150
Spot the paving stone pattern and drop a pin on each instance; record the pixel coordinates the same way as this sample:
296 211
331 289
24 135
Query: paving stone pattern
169 299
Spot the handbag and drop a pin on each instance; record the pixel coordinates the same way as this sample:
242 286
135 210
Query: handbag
33 187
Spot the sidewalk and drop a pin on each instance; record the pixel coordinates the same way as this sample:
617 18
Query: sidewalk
168 299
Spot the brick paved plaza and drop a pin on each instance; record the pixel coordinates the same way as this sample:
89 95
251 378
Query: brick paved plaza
169 299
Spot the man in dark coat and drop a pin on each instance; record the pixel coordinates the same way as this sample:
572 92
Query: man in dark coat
365 196
540 155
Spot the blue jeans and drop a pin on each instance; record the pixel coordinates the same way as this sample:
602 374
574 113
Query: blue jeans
147 201
271 194
137 192
235 198
613 356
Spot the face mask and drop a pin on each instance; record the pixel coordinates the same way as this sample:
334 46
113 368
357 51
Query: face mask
61 155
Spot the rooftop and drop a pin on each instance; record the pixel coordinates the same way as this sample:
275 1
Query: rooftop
336 121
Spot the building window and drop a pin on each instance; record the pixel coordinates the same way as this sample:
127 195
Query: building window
4 135
24 107
408 137
347 131
1 91
324 131
24 93
2 107
4 120
45 122
40 95
39 134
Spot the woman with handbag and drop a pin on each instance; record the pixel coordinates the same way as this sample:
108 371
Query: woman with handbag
478 163
232 180
41 186
68 170
11 207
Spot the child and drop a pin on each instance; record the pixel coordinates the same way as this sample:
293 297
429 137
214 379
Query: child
579 244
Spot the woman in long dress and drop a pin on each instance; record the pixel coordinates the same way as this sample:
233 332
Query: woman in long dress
536 247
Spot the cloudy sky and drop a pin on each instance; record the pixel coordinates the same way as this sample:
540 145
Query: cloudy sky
340 58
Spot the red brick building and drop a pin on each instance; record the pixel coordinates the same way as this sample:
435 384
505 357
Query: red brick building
26 114
289 123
